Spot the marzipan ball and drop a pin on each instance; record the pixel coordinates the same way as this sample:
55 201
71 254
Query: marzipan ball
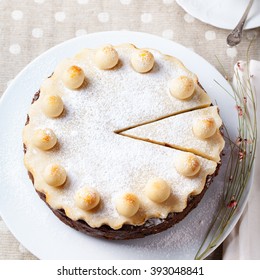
54 175
157 190
87 198
128 205
187 164
44 139
182 87
142 61
73 77
204 128
52 105
106 57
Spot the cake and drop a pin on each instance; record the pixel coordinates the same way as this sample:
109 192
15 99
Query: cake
122 142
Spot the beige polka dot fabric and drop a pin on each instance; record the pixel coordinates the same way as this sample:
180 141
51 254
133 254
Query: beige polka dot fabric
29 27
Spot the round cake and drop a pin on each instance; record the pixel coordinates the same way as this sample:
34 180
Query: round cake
122 142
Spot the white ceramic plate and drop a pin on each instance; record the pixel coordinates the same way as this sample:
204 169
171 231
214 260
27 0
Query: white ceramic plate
222 13
30 220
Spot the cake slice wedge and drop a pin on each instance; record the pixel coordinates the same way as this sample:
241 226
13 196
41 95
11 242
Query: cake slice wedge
195 131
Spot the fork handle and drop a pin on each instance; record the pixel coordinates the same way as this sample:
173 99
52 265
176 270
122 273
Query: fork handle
238 29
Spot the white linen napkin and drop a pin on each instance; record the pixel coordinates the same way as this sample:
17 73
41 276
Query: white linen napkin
243 243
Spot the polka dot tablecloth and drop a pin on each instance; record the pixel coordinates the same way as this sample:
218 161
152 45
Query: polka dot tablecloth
28 28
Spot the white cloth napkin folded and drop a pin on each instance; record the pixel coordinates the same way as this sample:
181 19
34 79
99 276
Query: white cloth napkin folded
243 243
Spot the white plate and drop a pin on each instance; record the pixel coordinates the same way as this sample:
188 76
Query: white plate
222 13
30 220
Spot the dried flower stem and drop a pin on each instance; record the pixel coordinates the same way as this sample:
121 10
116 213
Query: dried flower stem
239 164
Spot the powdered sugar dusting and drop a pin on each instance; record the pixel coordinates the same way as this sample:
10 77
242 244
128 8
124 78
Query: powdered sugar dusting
95 156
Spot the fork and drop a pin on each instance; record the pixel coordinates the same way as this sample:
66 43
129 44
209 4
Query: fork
234 38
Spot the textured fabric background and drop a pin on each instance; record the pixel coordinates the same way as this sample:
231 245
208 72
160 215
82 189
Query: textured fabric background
28 28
